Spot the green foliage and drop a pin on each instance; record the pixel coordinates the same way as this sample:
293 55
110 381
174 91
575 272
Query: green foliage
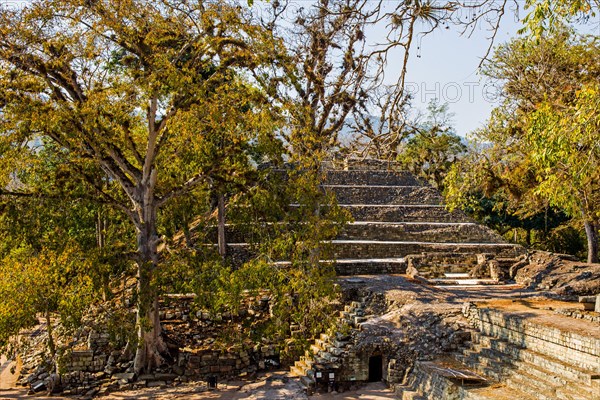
432 147
540 148
567 239
135 108
548 16
48 282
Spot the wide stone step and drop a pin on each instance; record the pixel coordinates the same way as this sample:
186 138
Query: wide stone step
461 232
543 386
370 266
357 257
404 213
530 378
386 178
529 384
379 194
576 393
579 348
495 392
370 249
441 378
461 282
481 365
525 358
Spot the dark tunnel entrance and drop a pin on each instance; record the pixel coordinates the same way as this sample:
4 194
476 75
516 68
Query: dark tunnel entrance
375 368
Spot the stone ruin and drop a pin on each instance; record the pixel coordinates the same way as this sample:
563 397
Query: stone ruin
429 342
402 223
410 317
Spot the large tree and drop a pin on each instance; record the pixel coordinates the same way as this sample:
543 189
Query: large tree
540 147
133 94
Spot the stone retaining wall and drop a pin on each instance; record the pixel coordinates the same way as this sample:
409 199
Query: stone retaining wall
420 232
407 213
436 265
100 368
85 361
569 346
396 231
357 177
369 268
368 164
385 194
376 249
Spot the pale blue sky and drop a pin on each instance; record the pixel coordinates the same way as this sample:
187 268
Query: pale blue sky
447 69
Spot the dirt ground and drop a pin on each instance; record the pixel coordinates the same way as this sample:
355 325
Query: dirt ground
278 388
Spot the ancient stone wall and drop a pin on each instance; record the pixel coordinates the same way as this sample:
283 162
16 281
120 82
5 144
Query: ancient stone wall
385 194
97 367
438 264
382 249
569 346
420 232
360 177
366 267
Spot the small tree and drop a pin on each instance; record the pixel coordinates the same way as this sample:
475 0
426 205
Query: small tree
47 283
431 147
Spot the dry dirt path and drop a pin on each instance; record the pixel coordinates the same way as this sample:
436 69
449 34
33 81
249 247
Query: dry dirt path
372 391
280 387
7 378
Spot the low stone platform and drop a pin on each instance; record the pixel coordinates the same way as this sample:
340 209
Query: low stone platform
518 344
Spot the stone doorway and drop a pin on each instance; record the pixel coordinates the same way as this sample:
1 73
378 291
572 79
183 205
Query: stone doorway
375 368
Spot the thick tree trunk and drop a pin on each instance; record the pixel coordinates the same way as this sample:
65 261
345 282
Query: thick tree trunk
50 342
221 226
591 232
150 345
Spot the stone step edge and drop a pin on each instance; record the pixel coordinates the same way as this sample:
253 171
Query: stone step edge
582 362
510 367
351 261
390 205
401 223
534 382
335 185
398 223
393 242
508 322
569 368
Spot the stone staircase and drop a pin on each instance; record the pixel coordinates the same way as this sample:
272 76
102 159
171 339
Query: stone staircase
396 215
326 353
513 356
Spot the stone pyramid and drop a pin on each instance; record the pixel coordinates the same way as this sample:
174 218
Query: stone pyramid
396 216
